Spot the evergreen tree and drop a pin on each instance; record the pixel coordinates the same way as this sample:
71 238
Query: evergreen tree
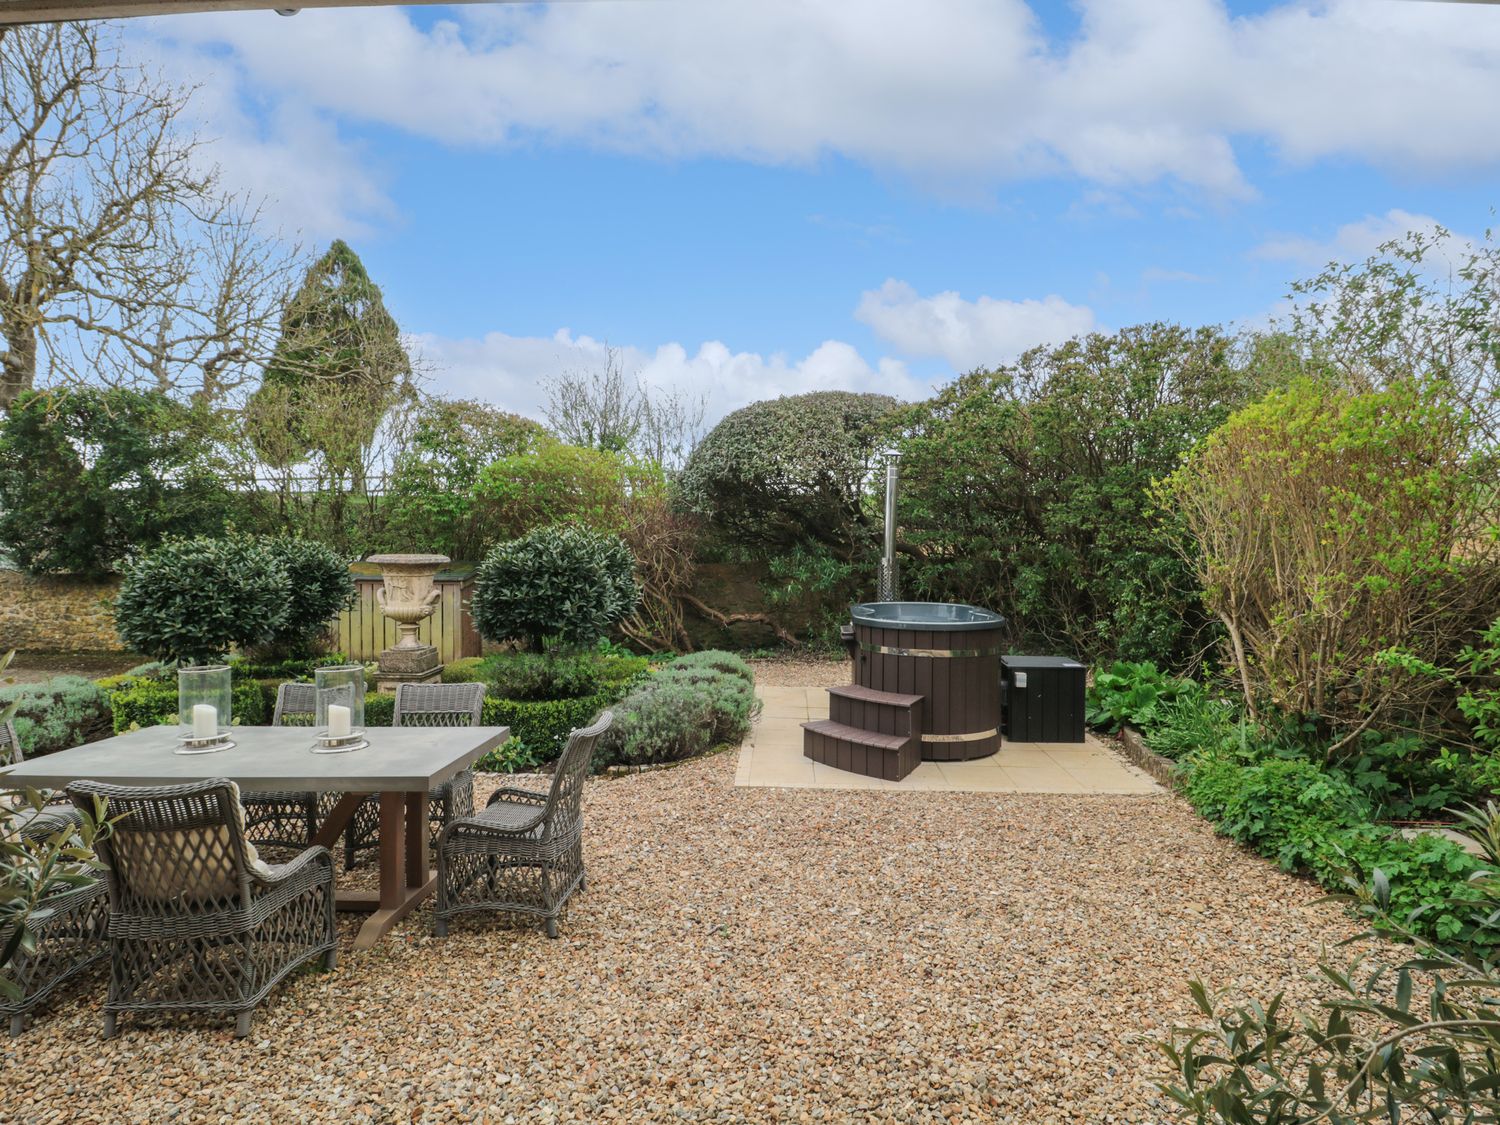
337 369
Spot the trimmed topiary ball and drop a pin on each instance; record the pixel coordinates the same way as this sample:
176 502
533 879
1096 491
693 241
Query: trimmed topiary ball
319 587
192 600
563 582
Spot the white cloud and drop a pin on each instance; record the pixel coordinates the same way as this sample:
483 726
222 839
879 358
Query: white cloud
968 334
510 370
1356 241
954 95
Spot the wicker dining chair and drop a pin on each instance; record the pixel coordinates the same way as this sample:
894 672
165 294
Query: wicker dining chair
197 922
286 818
68 926
524 852
425 705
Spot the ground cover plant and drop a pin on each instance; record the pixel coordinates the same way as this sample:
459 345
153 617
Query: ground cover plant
1401 1036
694 704
56 714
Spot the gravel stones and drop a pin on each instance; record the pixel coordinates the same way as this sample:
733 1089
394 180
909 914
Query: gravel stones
747 955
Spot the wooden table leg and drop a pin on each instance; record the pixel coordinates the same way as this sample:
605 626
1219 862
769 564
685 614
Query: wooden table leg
403 884
338 819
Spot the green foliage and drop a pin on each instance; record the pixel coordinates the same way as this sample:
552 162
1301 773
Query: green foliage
466 670
1409 1039
1331 527
337 368
539 727
681 712
432 502
1133 693
556 484
90 476
293 668
149 703
790 471
57 714
726 662
34 870
192 599
1027 490
318 588
811 585
565 583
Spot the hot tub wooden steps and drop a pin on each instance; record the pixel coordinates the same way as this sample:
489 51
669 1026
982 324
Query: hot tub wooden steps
875 733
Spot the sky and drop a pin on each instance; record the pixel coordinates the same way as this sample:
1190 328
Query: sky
760 197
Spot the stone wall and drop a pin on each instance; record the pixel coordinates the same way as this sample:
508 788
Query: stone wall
56 615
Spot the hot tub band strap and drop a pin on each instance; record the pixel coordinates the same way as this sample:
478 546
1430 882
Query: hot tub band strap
971 736
944 653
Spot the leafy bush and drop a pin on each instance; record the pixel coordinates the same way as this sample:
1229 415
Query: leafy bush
528 676
1027 489
149 703
1192 723
561 582
57 714
677 714
1410 1040
296 668
726 662
318 588
790 471
192 599
539 727
1332 527
560 483
1133 693
466 670
90 476
431 500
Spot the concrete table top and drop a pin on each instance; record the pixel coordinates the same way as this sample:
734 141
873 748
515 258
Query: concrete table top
398 759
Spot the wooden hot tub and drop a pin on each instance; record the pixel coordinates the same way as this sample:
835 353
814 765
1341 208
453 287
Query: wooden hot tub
947 654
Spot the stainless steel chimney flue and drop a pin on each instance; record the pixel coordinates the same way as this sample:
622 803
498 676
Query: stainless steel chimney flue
888 584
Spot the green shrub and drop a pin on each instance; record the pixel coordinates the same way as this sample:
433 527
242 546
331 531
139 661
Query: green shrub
726 662
562 484
148 703
147 476
1332 526
790 470
1131 693
1192 723
677 714
466 670
564 582
1027 489
299 668
318 588
540 727
57 714
193 599
531 676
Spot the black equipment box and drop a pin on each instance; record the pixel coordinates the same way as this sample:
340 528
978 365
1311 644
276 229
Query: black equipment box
1043 698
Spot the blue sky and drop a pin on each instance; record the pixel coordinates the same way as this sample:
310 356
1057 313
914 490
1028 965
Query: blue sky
753 197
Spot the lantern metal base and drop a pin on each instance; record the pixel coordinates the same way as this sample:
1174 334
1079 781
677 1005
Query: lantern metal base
327 744
193 745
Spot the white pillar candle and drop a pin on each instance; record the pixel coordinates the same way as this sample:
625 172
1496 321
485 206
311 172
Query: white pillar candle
205 720
338 721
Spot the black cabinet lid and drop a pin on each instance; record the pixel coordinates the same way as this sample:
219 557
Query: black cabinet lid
1028 662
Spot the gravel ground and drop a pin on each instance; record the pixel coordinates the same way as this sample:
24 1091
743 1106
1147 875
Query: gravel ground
748 955
792 671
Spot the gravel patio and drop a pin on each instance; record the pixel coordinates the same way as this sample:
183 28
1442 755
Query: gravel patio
749 954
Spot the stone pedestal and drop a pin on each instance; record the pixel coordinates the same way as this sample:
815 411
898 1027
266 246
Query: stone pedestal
407 598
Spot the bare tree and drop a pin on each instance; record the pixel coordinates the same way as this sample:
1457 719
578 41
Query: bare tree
607 409
121 260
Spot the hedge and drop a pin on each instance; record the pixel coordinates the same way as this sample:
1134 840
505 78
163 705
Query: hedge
542 726
149 703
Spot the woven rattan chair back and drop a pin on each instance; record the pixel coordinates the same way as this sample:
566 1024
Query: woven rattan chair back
10 745
564 808
438 705
175 851
296 706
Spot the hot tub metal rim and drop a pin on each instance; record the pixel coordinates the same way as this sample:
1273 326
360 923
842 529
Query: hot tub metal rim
887 615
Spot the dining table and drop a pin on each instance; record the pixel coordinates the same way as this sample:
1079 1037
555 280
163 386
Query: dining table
399 765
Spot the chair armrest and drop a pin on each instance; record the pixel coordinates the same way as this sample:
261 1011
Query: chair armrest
510 793
307 858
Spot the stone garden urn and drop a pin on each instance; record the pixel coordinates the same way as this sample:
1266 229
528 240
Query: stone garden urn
408 598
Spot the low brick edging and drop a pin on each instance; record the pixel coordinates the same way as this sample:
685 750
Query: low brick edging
1134 747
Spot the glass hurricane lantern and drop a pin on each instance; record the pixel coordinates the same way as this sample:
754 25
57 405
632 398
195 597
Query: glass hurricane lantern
340 717
204 708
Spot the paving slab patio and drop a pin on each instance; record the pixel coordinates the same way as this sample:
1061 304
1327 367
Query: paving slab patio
771 757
